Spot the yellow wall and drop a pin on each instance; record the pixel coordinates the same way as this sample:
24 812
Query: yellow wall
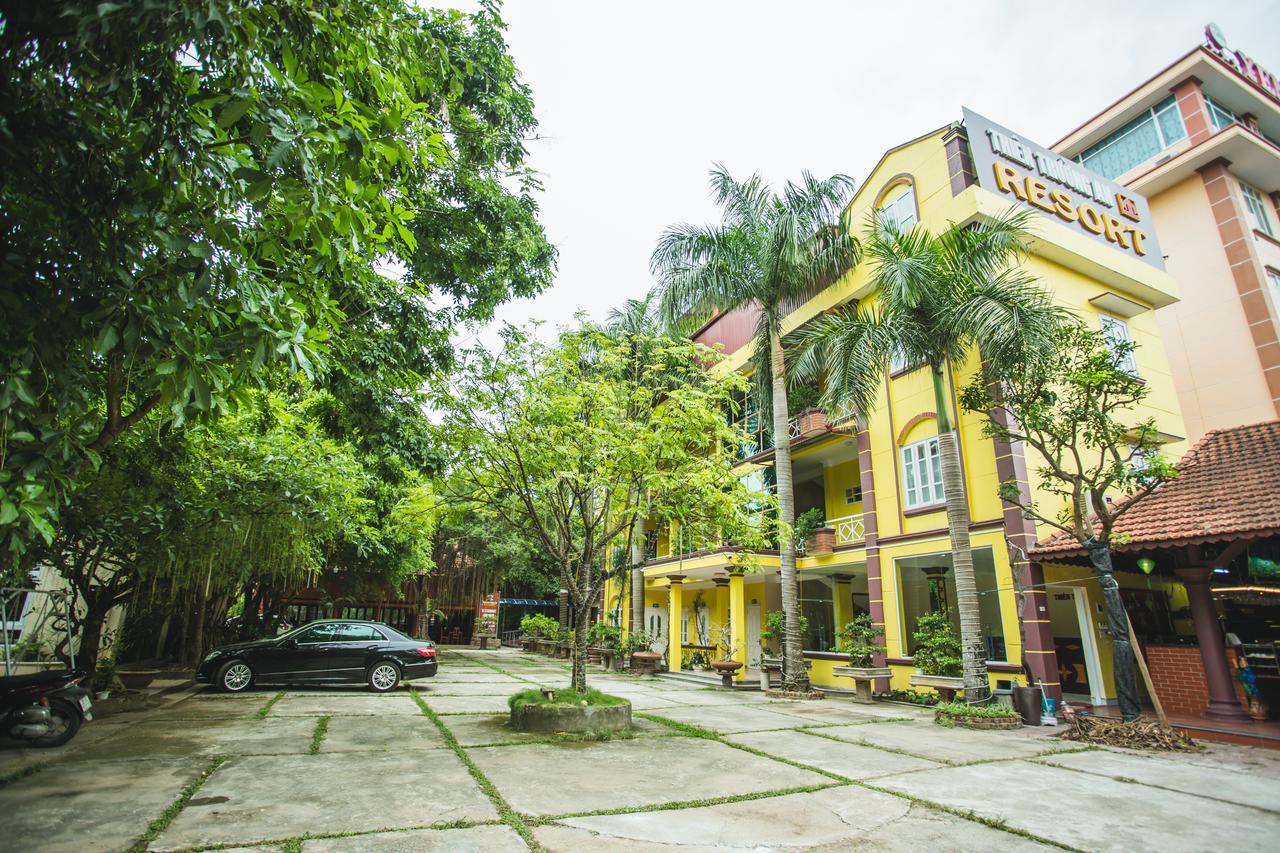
836 479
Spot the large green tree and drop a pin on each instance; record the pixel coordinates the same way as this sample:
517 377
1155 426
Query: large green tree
770 252
1075 407
554 441
938 299
190 192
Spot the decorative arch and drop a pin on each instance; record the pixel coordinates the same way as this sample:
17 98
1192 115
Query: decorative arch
911 424
898 180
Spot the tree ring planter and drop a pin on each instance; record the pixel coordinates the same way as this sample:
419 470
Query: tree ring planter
946 685
136 680
645 663
726 668
535 717
944 718
863 679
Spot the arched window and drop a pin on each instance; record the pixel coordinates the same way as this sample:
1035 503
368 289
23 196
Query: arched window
898 207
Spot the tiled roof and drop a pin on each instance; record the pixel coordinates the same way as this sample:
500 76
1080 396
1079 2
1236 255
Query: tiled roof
1228 484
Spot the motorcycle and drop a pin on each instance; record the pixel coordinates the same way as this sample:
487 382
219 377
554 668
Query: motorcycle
44 709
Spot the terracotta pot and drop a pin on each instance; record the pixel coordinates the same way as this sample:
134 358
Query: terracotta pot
726 665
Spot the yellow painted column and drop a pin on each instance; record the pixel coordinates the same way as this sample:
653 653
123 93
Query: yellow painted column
675 608
738 619
719 612
843 601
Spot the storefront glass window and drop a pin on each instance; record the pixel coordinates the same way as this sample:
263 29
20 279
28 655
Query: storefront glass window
816 605
927 583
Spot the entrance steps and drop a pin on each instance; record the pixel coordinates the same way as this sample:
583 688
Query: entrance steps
711 679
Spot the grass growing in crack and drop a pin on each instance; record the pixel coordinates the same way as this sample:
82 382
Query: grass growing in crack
295 843
317 736
509 816
266 709
882 747
22 772
684 728
161 823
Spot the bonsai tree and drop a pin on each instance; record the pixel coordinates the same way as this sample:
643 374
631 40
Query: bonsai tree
774 629
602 635
857 639
1074 407
937 649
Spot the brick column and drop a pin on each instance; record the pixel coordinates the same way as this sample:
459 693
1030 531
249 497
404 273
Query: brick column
1223 704
1195 113
875 589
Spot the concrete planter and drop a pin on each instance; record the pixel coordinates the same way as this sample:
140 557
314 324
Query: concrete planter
726 668
943 718
645 663
946 685
571 718
136 680
863 679
822 543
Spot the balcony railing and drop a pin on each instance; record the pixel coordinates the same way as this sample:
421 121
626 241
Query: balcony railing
849 529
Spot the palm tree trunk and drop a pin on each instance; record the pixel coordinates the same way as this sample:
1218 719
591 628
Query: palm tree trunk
794 674
972 650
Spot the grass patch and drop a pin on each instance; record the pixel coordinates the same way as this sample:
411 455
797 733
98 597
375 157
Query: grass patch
992 711
293 845
266 709
161 823
566 696
683 728
509 816
23 772
317 736
925 699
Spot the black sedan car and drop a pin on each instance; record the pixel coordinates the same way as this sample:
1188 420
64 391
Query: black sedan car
332 651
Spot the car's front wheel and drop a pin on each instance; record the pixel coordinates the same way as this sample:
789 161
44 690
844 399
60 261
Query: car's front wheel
234 676
383 676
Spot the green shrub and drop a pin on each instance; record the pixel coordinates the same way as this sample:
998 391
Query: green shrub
536 626
602 635
960 709
937 646
857 639
914 697
566 696
775 626
807 523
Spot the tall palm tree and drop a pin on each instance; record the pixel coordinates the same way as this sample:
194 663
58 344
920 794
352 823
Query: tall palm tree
636 325
769 252
937 298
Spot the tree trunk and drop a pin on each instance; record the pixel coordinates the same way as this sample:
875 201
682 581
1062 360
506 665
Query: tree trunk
977 689
95 616
637 579
564 596
581 625
1118 624
794 674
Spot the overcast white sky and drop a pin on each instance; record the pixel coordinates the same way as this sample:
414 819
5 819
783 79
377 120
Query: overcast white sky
636 101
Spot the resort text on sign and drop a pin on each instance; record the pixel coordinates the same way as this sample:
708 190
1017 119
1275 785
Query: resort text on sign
1035 177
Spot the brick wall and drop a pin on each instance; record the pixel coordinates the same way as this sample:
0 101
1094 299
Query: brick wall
1178 675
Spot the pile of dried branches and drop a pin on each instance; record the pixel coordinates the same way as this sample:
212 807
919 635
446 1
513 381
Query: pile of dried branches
1138 734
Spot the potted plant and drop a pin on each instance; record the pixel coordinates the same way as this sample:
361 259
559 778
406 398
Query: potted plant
639 649
601 639
775 622
937 656
724 663
857 639
812 537
993 716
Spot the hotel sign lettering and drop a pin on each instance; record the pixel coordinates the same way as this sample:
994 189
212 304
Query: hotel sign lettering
1215 42
1061 189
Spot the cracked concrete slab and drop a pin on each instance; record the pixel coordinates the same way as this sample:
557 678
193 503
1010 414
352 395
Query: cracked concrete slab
91 805
1091 812
476 839
852 762
938 743
341 705
682 769
371 734
256 799
1219 783
206 738
847 817
729 718
481 729
844 712
467 704
445 687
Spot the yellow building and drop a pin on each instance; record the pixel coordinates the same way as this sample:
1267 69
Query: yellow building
1201 140
878 484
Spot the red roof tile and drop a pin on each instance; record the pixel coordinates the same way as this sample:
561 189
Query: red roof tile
1227 484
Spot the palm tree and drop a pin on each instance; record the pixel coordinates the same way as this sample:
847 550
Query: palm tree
938 297
636 324
768 254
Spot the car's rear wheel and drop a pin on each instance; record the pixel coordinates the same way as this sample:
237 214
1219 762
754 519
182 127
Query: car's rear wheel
383 676
234 676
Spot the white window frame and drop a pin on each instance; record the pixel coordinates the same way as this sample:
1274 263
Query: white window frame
1114 328
1273 279
1219 116
921 458
900 209
1255 207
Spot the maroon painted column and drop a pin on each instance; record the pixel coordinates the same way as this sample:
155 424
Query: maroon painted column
1223 704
